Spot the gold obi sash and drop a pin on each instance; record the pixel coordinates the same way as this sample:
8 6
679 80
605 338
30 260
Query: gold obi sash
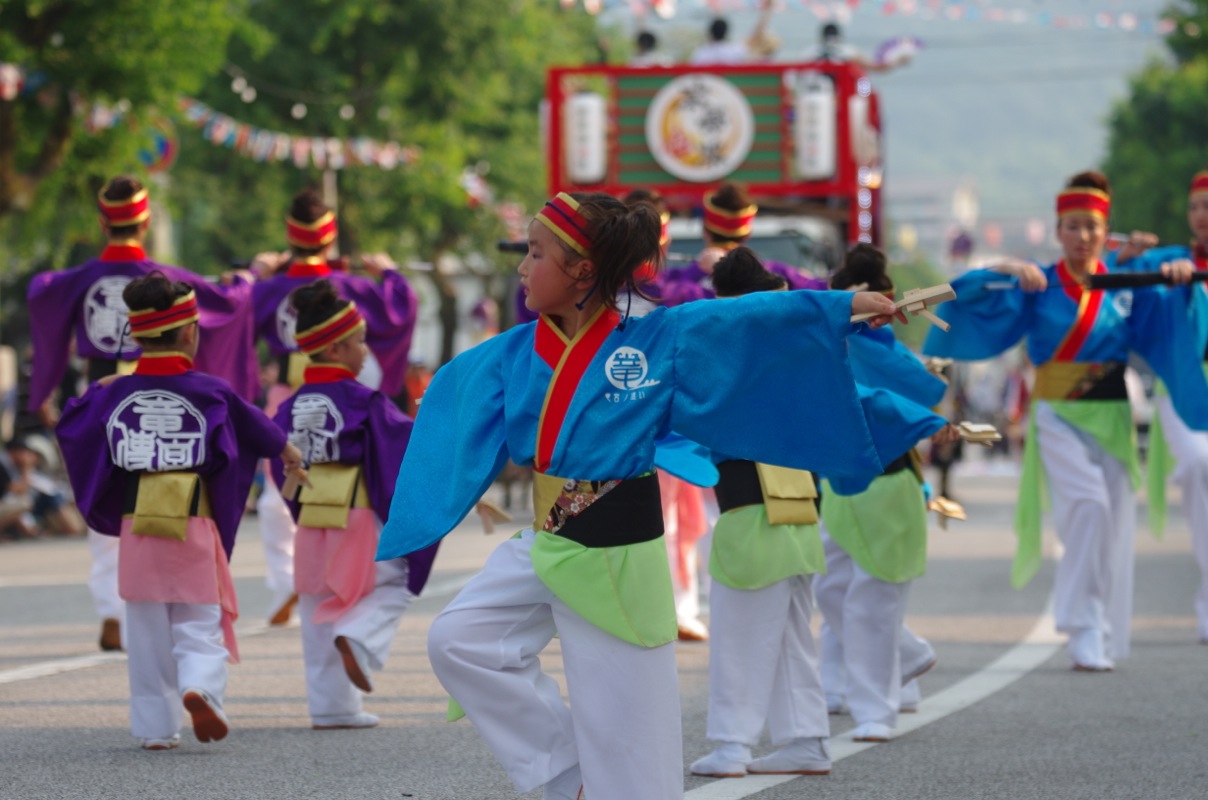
789 496
291 368
1080 380
335 489
160 503
598 513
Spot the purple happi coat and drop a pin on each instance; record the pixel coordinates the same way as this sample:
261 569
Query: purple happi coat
333 418
86 301
389 309
675 287
159 423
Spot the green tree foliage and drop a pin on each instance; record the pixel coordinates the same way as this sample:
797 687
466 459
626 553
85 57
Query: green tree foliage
916 272
459 79
1158 135
142 52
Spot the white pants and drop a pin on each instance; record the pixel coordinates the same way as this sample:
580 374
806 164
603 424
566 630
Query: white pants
277 531
371 623
1094 511
912 649
102 578
172 647
1190 449
763 665
623 726
864 615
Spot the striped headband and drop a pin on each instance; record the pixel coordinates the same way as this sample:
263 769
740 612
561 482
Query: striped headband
732 224
120 213
336 328
1083 199
561 215
1199 184
151 322
311 235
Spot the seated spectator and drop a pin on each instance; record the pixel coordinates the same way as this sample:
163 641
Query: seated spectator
32 502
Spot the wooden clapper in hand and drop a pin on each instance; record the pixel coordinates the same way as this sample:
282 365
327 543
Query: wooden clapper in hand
918 302
975 433
979 433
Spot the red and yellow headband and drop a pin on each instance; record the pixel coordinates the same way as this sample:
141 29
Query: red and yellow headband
336 328
151 322
1083 199
311 235
561 215
731 224
120 213
1199 184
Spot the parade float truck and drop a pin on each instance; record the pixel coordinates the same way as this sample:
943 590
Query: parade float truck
803 138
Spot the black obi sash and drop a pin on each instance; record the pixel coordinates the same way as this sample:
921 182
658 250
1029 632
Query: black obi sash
737 485
629 513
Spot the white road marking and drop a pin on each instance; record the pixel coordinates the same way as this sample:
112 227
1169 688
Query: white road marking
43 669
1036 648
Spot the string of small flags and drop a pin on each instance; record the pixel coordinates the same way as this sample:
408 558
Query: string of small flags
263 145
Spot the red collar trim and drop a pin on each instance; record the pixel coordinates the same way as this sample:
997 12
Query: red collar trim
123 252
573 358
1089 304
163 364
315 267
327 373
1073 287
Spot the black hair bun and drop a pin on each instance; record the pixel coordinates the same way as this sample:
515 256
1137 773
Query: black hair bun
315 303
307 206
863 264
740 272
153 290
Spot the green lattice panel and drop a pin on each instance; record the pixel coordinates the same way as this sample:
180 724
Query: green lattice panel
636 164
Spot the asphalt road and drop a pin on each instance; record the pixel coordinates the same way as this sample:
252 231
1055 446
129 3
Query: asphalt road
1001 718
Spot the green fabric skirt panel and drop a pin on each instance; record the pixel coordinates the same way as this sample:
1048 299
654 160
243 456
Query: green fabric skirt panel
1159 466
1110 423
884 528
625 591
748 552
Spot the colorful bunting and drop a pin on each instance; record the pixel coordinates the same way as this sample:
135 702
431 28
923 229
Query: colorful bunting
264 145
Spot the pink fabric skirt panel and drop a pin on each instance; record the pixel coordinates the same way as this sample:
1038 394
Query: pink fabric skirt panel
337 562
154 570
684 517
